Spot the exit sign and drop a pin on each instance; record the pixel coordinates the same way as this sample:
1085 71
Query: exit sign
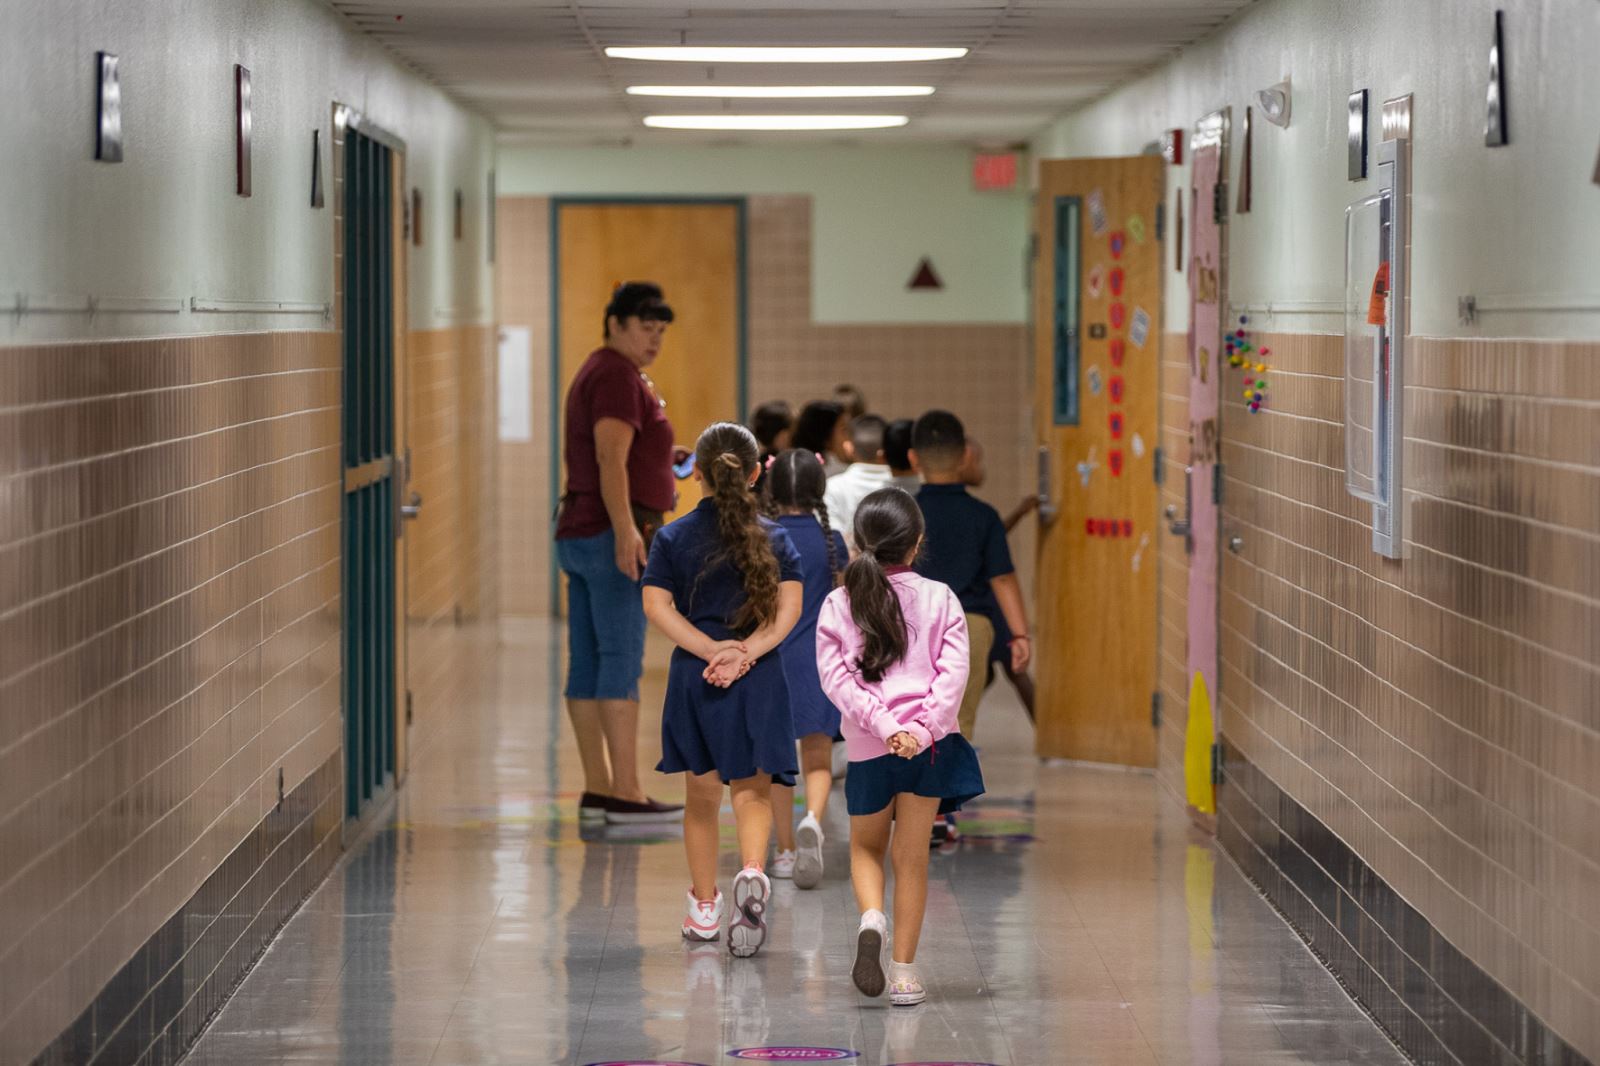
994 171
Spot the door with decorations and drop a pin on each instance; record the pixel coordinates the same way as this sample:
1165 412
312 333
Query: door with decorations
1200 521
1097 331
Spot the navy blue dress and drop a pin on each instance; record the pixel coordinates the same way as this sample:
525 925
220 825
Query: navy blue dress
811 709
742 730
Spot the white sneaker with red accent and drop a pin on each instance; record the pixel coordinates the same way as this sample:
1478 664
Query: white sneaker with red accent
704 918
748 930
783 864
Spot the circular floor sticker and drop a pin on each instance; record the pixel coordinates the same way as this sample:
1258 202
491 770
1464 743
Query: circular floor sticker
793 1054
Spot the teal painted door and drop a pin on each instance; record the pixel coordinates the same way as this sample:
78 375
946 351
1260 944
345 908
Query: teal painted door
370 504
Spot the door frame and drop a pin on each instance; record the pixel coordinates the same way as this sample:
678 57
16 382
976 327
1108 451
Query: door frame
345 117
740 204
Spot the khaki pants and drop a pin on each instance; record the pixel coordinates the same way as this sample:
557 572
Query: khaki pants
980 633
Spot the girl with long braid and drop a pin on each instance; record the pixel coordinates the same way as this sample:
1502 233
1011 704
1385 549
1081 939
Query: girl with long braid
723 583
794 486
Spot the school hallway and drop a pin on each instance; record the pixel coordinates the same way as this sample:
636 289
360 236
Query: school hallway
1080 920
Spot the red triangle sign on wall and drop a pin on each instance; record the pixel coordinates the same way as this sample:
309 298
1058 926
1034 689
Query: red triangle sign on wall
925 278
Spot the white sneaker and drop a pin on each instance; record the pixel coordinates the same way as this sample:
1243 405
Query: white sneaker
783 864
807 861
905 987
704 918
841 760
748 930
870 939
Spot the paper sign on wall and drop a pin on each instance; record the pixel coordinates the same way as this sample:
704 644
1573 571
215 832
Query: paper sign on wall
1141 327
516 384
1098 218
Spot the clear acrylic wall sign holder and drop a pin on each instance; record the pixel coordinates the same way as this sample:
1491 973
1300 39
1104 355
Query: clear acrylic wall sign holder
1374 349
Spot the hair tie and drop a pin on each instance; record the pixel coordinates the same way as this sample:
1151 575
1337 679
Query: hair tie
770 460
820 460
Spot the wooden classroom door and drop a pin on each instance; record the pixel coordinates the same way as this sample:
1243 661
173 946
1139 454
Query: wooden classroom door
1200 524
693 251
1097 332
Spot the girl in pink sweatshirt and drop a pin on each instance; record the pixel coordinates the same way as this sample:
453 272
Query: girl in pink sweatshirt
892 653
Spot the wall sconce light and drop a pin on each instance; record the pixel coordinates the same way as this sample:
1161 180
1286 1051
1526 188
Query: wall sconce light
1274 103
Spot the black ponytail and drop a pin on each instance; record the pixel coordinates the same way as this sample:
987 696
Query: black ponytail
888 529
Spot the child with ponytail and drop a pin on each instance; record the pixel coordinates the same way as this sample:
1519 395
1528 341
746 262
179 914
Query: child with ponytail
723 583
892 652
794 486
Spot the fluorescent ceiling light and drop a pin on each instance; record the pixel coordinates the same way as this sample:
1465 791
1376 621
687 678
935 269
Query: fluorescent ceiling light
780 92
774 122
694 54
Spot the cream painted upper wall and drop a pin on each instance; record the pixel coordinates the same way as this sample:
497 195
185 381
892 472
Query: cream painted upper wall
166 222
875 213
1518 225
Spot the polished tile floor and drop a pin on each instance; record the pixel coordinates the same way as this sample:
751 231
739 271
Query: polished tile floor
1080 921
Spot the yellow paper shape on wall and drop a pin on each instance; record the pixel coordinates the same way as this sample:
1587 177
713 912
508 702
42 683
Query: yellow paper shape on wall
1197 741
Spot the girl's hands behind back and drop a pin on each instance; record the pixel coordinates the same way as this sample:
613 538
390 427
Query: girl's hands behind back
904 745
728 663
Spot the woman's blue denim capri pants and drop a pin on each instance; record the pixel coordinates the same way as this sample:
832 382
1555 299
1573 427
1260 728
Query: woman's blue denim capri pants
605 621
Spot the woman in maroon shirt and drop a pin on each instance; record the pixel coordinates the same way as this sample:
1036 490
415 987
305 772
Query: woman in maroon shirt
619 453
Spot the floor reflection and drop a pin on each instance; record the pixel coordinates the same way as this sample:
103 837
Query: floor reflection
1080 920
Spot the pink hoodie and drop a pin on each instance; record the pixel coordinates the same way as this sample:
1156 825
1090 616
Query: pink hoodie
921 694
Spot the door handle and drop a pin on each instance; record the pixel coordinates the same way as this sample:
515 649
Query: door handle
1181 527
412 507
1047 507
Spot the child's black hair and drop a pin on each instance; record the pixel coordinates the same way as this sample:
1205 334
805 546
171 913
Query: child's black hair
636 299
940 440
796 480
814 429
888 529
897 444
726 456
866 437
769 420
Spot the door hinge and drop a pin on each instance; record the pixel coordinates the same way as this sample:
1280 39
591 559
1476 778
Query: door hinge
1160 471
1219 203
1216 484
410 700
1217 773
1161 221
1155 710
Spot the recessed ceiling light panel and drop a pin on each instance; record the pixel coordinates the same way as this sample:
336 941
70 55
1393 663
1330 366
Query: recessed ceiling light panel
780 92
697 54
774 122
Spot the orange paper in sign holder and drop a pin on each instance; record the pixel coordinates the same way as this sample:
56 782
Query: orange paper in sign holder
1377 305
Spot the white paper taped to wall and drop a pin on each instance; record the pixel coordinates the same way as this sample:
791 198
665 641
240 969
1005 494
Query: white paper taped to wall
516 384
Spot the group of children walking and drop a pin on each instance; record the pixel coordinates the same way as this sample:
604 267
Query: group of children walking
784 633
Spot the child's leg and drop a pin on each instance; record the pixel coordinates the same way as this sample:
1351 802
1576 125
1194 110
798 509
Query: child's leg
869 840
980 632
702 805
783 816
752 813
914 821
1024 686
816 762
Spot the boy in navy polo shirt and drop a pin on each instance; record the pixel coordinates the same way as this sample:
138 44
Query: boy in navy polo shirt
966 549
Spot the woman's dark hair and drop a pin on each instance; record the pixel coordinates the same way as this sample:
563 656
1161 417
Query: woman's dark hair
769 420
726 454
796 480
814 429
636 299
888 529
851 399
